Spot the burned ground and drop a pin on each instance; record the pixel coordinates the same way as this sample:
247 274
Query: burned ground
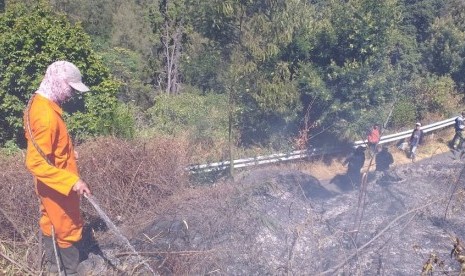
278 220
271 220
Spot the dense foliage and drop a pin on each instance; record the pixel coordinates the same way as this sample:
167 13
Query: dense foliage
29 42
348 63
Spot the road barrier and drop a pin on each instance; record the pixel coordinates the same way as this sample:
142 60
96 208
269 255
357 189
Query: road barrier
302 154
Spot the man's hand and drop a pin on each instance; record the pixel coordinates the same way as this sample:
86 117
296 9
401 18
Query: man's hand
81 188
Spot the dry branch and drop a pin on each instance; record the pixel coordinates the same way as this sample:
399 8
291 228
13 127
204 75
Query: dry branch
148 253
13 223
335 268
21 267
456 185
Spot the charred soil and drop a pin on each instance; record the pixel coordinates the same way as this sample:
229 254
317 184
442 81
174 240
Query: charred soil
272 220
279 220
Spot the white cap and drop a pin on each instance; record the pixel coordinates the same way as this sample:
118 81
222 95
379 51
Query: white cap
70 74
418 124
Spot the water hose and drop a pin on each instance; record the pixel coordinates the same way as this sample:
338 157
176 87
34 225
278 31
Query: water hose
112 226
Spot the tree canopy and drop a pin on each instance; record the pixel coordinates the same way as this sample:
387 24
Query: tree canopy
29 42
344 63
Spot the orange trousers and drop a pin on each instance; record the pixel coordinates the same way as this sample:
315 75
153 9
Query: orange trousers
62 212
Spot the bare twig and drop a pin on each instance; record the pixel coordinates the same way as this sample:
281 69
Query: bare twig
137 171
401 230
457 252
362 199
335 268
364 181
21 267
302 139
456 185
187 252
12 222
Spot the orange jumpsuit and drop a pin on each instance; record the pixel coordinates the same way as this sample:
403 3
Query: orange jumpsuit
59 203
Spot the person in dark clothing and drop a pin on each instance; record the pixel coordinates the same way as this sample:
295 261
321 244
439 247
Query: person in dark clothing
459 127
355 163
383 160
415 139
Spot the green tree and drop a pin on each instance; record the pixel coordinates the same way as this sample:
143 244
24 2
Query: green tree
250 36
129 67
350 59
445 50
131 28
171 23
204 117
418 15
202 63
121 32
30 39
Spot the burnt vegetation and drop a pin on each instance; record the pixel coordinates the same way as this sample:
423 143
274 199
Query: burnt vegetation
268 220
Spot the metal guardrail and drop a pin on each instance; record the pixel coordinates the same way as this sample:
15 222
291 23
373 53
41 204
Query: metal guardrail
301 154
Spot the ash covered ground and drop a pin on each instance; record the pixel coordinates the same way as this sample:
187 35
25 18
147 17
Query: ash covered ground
277 220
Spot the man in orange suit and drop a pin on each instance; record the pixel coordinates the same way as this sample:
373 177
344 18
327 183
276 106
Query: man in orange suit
52 161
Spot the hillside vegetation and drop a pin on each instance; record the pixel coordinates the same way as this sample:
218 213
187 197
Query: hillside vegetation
244 73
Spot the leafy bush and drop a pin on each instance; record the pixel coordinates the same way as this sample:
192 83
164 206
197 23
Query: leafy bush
128 67
440 95
359 128
205 117
10 148
404 113
104 116
32 38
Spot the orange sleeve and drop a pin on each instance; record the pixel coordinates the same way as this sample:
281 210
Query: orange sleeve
43 129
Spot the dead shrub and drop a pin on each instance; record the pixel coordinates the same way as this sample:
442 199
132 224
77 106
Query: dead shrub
18 217
19 206
127 177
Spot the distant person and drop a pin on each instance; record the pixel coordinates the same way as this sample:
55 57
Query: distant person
383 160
355 163
415 140
373 139
459 127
